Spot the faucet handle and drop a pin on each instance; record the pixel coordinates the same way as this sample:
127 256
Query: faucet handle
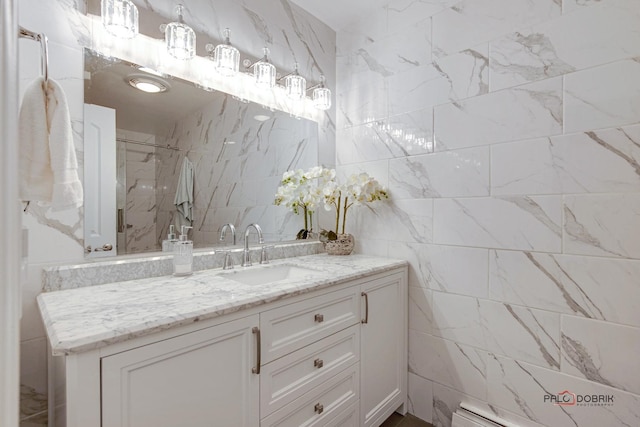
264 259
228 261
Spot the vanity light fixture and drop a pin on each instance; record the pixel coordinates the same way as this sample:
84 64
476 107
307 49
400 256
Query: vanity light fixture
264 71
120 18
321 95
226 58
146 83
295 85
180 38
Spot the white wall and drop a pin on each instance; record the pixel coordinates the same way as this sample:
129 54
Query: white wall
516 200
56 238
9 218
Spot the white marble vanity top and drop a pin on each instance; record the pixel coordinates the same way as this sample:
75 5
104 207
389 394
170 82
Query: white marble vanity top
86 318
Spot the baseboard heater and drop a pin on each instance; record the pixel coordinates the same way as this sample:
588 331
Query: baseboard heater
468 416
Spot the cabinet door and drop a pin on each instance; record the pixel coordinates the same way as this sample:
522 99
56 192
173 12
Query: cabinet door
199 379
383 348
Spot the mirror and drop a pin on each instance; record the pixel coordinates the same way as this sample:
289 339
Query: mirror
239 152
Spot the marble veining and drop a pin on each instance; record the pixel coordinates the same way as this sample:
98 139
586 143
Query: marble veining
33 405
519 387
569 284
600 224
591 350
579 357
540 58
91 317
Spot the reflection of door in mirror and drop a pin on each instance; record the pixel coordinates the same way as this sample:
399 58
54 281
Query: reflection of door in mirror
99 176
136 192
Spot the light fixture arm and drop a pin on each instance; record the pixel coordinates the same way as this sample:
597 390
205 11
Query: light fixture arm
248 64
179 9
319 84
292 73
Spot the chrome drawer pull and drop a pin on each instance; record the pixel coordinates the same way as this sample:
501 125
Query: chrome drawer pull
318 408
319 318
256 332
366 307
318 363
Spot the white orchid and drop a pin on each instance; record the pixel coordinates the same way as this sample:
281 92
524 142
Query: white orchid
303 189
360 188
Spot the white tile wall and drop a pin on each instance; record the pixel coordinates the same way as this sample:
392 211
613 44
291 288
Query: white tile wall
590 349
527 223
592 287
527 278
602 97
523 112
421 401
520 388
571 42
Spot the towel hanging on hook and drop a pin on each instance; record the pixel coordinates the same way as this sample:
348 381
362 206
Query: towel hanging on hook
44 62
48 164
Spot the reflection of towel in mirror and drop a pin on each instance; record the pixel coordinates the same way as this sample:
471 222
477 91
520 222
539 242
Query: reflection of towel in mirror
48 166
184 194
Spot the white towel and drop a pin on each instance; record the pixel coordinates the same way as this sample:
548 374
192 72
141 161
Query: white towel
184 194
48 165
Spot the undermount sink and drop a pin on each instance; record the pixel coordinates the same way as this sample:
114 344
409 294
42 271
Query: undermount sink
261 275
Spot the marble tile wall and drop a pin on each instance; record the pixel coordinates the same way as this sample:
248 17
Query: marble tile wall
238 166
508 133
56 238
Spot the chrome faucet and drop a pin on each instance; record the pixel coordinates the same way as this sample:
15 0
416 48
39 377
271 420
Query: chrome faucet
246 257
223 232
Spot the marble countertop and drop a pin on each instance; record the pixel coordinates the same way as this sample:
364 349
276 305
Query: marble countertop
77 320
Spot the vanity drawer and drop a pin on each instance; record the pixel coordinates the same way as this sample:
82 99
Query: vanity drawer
322 406
291 327
289 377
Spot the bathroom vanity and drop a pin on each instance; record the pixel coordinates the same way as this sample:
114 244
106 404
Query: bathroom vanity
314 341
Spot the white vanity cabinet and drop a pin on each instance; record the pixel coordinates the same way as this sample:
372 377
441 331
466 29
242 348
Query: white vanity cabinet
331 357
383 350
203 378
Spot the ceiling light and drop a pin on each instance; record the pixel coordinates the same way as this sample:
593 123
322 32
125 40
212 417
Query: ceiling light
295 85
147 84
180 38
120 18
226 58
321 96
264 72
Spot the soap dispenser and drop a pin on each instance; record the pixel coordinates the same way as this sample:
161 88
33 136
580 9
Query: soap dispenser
167 245
183 254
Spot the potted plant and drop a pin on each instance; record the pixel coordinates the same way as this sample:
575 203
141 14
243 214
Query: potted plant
359 189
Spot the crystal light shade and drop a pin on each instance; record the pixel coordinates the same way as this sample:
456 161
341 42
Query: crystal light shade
264 72
180 38
226 58
321 96
295 85
120 18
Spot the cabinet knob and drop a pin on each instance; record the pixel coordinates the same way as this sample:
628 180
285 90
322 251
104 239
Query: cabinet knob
319 318
318 408
318 363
